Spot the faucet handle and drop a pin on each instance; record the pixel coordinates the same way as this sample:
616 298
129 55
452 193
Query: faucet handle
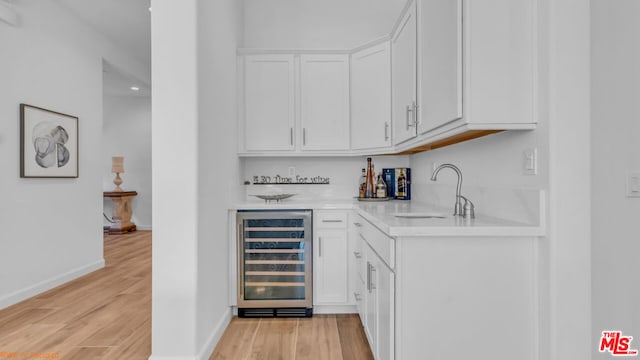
469 208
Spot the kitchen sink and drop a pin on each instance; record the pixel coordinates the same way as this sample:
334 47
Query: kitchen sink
418 215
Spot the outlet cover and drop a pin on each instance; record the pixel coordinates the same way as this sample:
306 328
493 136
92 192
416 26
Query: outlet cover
530 161
633 184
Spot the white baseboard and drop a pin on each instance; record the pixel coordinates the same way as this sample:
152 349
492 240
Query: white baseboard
335 309
210 344
215 336
48 284
143 227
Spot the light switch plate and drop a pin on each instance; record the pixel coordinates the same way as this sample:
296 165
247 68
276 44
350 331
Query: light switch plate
633 184
530 161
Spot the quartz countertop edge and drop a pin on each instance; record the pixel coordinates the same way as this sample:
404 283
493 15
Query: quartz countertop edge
381 215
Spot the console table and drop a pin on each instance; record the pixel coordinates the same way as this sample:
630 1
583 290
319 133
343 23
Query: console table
122 211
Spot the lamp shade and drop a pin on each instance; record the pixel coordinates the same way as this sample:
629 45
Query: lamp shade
117 164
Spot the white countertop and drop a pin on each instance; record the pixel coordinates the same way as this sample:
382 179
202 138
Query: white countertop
381 215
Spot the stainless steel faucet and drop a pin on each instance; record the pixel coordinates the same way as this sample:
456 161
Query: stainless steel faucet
458 210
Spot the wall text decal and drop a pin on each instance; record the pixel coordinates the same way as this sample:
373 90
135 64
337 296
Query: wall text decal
287 180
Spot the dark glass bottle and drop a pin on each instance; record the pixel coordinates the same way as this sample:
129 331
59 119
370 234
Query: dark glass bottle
402 185
370 186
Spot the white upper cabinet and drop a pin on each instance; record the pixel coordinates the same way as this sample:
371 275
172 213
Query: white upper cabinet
440 63
324 102
269 102
500 68
457 70
404 69
371 97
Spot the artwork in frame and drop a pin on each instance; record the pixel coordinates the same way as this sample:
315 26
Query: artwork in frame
48 143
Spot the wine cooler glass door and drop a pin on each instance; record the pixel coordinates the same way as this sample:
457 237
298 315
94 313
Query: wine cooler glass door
275 260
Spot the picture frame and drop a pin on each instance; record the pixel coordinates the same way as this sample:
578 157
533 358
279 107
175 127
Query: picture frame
48 143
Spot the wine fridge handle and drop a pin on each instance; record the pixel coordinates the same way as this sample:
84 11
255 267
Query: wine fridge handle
240 263
319 246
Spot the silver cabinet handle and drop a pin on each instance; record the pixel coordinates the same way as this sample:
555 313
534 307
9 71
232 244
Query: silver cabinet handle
414 112
369 277
304 136
357 254
291 136
331 221
319 246
372 286
411 120
409 110
357 224
386 131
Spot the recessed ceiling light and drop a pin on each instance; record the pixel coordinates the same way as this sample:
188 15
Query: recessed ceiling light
134 88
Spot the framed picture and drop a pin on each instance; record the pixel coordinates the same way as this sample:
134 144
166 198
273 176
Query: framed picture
48 143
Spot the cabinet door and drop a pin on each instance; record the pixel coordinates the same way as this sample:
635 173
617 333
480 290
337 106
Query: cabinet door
371 301
404 69
330 267
356 279
371 97
385 294
269 100
440 63
324 102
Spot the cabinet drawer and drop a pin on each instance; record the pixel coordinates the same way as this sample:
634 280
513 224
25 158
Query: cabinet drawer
330 219
383 245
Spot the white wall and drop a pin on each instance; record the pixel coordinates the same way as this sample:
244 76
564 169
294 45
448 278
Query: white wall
126 131
330 24
219 30
194 125
52 228
615 130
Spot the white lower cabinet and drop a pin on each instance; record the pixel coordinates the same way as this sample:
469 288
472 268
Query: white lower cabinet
330 258
379 292
356 264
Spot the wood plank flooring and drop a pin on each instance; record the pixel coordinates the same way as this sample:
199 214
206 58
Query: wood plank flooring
102 315
330 337
107 315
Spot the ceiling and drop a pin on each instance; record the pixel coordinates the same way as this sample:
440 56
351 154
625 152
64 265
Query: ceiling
127 23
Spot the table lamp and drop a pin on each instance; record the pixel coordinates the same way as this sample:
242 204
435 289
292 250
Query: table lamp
117 166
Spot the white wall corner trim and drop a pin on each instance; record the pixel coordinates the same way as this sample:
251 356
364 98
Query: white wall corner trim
209 346
48 284
8 15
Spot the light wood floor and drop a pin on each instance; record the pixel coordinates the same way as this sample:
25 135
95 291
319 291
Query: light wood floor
107 315
330 337
103 315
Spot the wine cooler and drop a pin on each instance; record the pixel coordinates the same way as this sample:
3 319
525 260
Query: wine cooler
274 263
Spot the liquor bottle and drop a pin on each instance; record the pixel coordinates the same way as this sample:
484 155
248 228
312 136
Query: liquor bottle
370 187
363 183
381 188
402 185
